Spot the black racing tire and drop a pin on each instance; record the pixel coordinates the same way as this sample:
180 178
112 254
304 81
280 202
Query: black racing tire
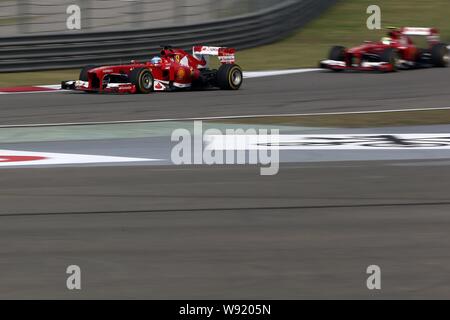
440 55
337 53
391 56
84 72
143 79
419 55
229 77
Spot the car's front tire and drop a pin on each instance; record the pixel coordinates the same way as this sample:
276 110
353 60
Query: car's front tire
143 79
337 53
84 72
390 56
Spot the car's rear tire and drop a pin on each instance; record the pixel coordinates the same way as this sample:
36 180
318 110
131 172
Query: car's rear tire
229 77
337 53
440 55
391 56
84 72
143 79
420 55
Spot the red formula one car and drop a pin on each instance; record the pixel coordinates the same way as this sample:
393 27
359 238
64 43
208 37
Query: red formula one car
396 51
173 69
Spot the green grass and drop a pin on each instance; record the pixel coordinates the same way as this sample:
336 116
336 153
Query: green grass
16 20
8 21
343 24
38 77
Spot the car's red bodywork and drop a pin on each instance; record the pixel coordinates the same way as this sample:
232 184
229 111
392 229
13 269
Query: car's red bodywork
369 56
177 69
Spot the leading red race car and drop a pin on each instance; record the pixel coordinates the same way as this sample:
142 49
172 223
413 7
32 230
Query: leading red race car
173 69
396 51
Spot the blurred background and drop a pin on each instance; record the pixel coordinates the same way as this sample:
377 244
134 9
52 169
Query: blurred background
49 16
52 34
268 34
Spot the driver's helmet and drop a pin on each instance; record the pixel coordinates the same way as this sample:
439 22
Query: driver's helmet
156 60
386 40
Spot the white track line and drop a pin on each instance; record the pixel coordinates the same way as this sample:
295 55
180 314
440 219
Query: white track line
34 92
61 124
260 74
51 87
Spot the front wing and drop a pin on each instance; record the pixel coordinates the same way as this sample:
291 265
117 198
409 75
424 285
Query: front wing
159 85
80 85
364 66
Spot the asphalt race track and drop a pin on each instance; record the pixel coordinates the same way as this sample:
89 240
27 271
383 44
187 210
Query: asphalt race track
196 232
301 93
193 232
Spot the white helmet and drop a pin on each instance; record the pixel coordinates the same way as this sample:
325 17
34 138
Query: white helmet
386 41
156 60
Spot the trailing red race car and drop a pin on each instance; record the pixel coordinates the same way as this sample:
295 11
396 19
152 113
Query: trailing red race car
396 51
173 69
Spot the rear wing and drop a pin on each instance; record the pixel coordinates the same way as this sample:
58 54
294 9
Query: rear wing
225 55
414 31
